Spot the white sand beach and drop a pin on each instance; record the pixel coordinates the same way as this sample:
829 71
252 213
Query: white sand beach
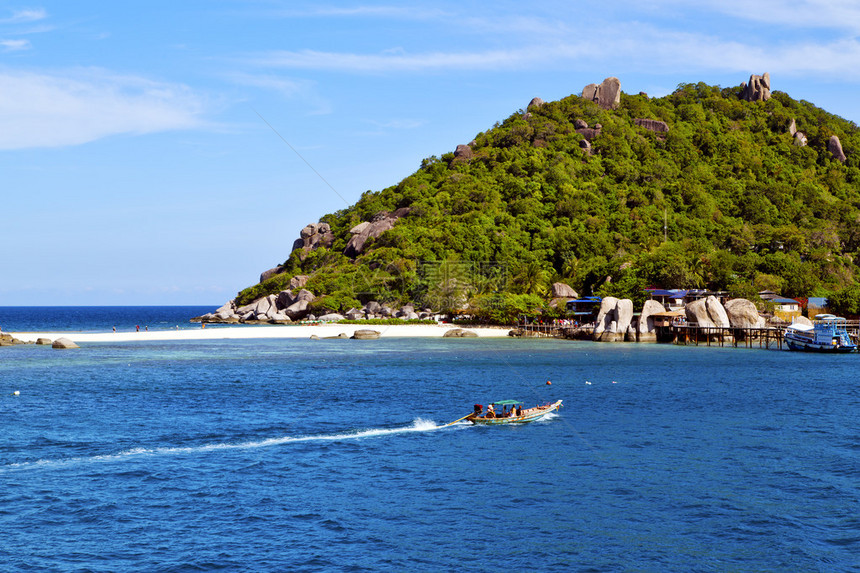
217 332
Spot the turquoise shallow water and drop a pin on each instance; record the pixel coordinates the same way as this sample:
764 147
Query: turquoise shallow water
326 455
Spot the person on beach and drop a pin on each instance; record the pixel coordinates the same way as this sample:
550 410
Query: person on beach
137 327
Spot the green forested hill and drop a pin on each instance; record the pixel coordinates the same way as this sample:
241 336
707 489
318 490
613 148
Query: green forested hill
744 208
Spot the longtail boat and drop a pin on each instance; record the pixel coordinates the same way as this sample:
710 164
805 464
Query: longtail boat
498 412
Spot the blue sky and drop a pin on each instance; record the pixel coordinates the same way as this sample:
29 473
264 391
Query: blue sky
137 165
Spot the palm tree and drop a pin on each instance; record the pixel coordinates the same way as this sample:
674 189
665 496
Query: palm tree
530 277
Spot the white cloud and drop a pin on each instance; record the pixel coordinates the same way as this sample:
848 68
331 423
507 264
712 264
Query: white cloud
79 106
394 60
14 45
304 90
394 12
796 14
21 16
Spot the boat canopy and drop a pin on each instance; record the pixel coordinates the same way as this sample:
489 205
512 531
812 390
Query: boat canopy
506 402
802 327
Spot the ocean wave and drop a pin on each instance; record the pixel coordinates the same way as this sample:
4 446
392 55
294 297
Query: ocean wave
418 425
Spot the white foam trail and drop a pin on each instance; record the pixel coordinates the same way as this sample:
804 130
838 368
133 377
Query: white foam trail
418 425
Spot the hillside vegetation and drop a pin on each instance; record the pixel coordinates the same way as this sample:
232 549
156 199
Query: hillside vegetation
725 200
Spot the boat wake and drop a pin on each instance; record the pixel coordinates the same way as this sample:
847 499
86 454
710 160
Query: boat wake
418 425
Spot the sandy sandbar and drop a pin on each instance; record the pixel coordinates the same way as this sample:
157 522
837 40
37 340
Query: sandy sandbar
252 332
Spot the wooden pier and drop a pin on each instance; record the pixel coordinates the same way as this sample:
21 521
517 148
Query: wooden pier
691 334
688 334
540 330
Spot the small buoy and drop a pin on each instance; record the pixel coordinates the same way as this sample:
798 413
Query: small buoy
548 383
587 382
613 381
16 393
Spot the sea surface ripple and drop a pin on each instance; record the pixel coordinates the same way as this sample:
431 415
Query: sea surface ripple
305 455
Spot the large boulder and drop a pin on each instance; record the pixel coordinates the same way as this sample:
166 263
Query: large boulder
654 125
707 313
259 307
535 103
9 340
717 312
607 95
463 153
285 298
331 317
313 236
743 313
297 310
758 88
381 222
562 290
299 281
646 331
459 333
697 314
623 317
834 146
365 334
305 295
606 322
265 275
802 320
64 343
605 315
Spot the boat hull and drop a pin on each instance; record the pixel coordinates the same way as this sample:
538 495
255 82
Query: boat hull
529 415
805 346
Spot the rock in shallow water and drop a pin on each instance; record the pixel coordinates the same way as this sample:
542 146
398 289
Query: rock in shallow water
64 343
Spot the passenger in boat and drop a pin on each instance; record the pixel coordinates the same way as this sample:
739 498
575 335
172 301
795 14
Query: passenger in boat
491 412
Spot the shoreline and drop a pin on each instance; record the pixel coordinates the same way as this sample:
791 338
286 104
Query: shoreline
260 332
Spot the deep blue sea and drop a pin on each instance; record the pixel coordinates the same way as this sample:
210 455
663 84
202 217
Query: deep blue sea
329 455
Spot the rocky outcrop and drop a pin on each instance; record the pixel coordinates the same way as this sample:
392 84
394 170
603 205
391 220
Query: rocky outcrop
758 88
266 275
614 320
459 333
365 334
331 317
313 236
9 340
707 313
792 127
654 125
284 307
44 341
585 146
562 290
802 320
64 343
463 153
535 103
834 146
743 313
607 95
381 222
717 312
646 331
589 133
799 139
